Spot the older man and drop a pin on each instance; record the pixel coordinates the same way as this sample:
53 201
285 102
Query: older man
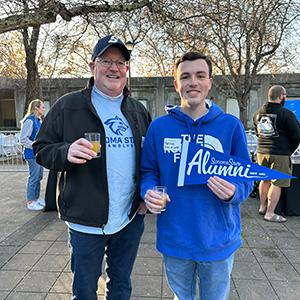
278 137
99 197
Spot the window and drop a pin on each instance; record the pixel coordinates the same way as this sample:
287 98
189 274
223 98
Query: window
7 108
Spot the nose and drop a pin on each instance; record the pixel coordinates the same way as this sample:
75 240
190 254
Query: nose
114 66
193 81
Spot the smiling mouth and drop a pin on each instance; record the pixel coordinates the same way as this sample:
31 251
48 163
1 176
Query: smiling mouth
193 91
112 76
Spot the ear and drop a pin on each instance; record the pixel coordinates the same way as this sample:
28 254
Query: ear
211 82
92 66
175 85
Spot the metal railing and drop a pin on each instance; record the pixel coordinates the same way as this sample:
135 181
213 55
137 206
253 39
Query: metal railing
11 158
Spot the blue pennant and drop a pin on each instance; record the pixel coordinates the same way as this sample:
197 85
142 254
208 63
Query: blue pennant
198 163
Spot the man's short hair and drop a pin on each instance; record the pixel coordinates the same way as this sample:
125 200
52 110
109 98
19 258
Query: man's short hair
193 55
275 91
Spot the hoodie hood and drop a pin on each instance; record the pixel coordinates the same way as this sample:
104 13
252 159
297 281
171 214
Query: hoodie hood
214 111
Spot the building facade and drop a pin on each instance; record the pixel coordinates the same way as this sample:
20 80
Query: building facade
154 93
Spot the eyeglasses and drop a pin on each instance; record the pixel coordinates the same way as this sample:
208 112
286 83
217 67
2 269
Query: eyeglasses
121 65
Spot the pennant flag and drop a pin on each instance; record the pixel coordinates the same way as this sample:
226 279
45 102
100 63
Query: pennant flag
198 163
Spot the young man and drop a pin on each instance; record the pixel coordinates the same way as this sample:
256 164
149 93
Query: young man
200 229
99 197
278 134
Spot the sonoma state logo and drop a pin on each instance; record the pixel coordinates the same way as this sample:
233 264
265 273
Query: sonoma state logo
198 163
116 125
118 134
202 156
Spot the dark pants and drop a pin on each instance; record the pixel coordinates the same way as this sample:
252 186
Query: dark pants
120 249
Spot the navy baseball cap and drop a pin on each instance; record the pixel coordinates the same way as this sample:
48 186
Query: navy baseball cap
108 41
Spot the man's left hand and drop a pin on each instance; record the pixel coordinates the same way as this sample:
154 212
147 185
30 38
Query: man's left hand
142 209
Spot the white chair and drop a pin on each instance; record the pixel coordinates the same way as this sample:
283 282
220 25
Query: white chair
296 156
2 142
251 140
9 145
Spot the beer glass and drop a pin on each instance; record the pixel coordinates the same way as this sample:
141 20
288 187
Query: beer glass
162 190
95 139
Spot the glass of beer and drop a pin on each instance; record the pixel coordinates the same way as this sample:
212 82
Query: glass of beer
162 190
95 139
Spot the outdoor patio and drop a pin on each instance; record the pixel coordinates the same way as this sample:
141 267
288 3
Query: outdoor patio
34 258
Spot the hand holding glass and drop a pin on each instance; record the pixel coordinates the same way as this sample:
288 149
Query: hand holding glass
162 190
95 139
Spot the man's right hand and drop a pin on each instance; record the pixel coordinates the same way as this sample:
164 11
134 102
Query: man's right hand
80 151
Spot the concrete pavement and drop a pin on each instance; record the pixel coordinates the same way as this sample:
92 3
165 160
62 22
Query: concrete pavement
34 257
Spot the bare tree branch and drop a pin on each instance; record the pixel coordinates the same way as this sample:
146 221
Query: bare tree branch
52 9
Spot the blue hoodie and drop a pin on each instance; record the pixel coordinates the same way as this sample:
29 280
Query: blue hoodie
196 225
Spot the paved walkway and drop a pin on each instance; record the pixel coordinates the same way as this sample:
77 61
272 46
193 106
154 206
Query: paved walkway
34 259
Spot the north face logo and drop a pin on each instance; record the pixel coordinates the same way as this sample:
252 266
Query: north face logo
116 125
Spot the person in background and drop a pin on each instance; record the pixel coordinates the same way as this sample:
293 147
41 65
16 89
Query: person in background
30 125
278 132
99 197
199 231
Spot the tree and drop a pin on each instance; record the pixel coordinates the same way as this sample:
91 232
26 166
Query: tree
241 36
135 27
12 56
30 41
48 12
29 16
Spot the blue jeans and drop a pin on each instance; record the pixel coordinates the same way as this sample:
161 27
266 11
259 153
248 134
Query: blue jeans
120 249
34 179
214 278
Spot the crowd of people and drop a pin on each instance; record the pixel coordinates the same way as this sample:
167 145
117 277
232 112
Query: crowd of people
105 192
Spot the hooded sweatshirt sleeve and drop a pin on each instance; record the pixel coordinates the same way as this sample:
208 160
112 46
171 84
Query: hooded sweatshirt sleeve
239 148
26 131
293 129
149 163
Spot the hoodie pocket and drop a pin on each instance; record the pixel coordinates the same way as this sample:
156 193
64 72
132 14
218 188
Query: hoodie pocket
231 221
